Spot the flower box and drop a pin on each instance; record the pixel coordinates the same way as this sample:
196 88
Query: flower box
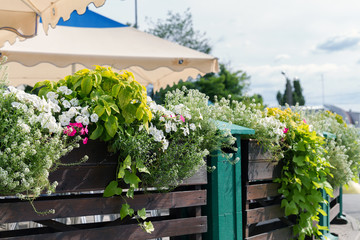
78 194
263 216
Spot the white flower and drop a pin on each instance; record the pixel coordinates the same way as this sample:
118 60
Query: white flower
162 119
24 127
68 92
85 112
64 120
74 102
156 133
85 120
185 131
62 89
94 118
192 126
174 127
165 144
72 112
79 119
51 95
168 126
66 104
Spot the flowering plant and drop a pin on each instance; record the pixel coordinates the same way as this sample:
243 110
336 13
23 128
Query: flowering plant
31 144
165 154
197 105
343 152
101 99
304 171
269 131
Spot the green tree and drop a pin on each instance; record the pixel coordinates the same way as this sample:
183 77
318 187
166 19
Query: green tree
179 28
220 84
292 94
297 93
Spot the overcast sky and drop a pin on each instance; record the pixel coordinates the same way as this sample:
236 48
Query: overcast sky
316 41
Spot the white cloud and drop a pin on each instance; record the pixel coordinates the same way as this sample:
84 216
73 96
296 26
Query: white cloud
281 57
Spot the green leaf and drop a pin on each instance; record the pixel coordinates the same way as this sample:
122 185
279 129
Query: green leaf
301 146
99 110
115 90
139 113
77 83
317 185
37 85
121 172
325 228
112 189
141 167
322 212
111 125
130 192
291 209
114 107
328 189
299 160
86 85
148 227
97 132
132 179
43 91
126 211
124 97
142 213
127 162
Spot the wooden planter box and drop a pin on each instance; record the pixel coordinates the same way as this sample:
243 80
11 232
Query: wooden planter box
263 218
78 196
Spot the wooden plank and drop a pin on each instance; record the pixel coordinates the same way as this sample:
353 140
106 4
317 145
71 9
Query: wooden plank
78 205
166 228
95 150
258 191
199 178
263 170
283 233
256 152
334 211
86 178
83 178
336 194
264 213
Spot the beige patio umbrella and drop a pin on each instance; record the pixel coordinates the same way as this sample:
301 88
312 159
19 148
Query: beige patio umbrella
66 49
19 18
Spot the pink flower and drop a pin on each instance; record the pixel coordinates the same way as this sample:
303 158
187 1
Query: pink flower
304 121
72 133
182 118
84 130
286 130
79 125
85 140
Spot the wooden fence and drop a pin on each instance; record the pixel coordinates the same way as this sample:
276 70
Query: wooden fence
78 197
263 217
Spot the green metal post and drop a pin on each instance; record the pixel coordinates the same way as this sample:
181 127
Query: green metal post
341 218
224 209
325 220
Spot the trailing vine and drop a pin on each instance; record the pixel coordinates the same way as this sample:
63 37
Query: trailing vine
304 172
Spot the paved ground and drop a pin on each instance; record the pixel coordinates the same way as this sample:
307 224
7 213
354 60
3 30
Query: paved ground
351 230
